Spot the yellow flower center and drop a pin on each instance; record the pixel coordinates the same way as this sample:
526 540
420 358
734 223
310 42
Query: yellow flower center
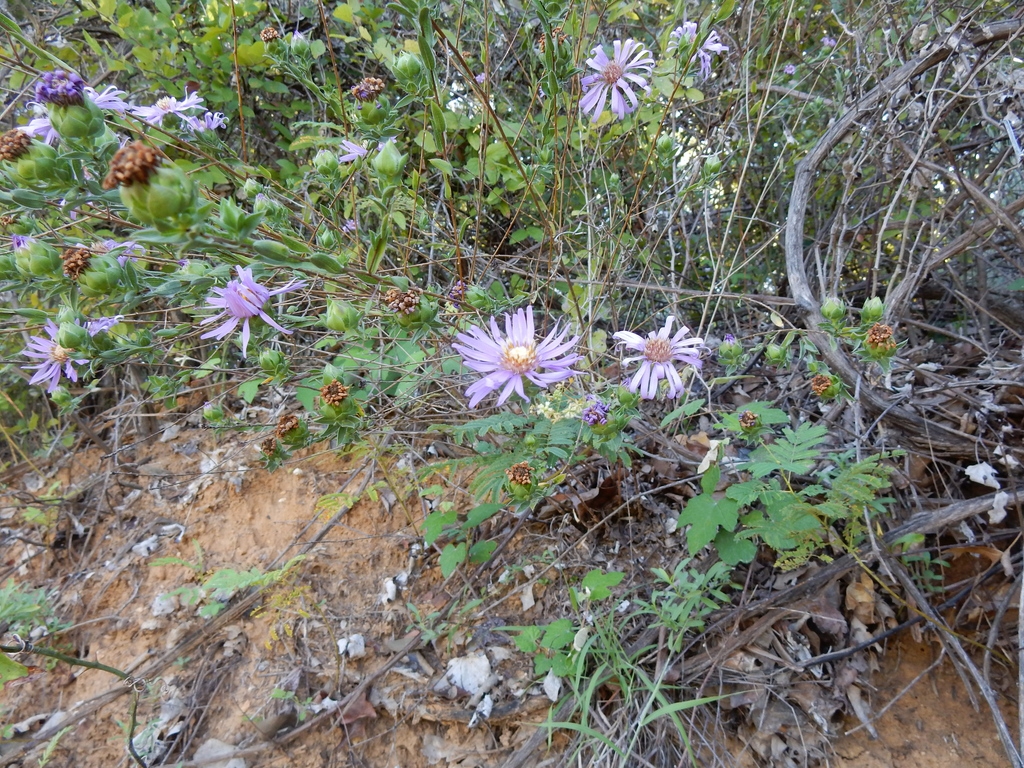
612 73
164 104
658 350
518 358
59 354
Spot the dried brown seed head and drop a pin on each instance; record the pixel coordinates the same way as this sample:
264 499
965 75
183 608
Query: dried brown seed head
404 302
268 446
269 35
748 419
520 474
880 337
76 261
132 164
334 393
14 144
820 384
286 424
368 89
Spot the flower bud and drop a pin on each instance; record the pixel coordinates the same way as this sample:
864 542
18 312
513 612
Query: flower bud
833 310
213 413
33 258
409 65
167 201
872 311
626 398
299 44
730 351
776 355
101 278
341 317
72 336
325 162
328 239
389 162
35 166
251 188
711 167
274 364
665 147
477 297
62 398
77 121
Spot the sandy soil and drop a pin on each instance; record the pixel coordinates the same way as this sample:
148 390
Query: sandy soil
277 665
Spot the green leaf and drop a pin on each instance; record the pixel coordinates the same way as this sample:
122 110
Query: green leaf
527 639
481 551
452 556
479 514
435 523
247 390
442 165
558 634
705 516
734 550
686 409
599 583
10 670
795 452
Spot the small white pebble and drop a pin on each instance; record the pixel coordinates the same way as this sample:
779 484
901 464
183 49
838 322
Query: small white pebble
356 646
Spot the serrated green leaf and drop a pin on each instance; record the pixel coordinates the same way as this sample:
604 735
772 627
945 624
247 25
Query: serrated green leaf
247 390
558 634
435 524
705 516
734 550
479 514
481 551
452 556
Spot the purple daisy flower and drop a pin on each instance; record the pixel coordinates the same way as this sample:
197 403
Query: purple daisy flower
687 33
713 44
658 352
168 105
21 241
55 358
828 42
211 121
353 151
632 63
789 69
242 299
507 359
109 99
40 125
62 88
129 249
596 412
102 324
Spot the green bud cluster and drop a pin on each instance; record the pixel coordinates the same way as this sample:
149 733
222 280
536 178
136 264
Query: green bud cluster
77 122
167 202
274 364
102 276
37 259
341 317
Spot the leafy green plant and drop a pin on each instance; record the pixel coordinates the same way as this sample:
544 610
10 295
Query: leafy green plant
23 609
780 505
218 587
682 600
